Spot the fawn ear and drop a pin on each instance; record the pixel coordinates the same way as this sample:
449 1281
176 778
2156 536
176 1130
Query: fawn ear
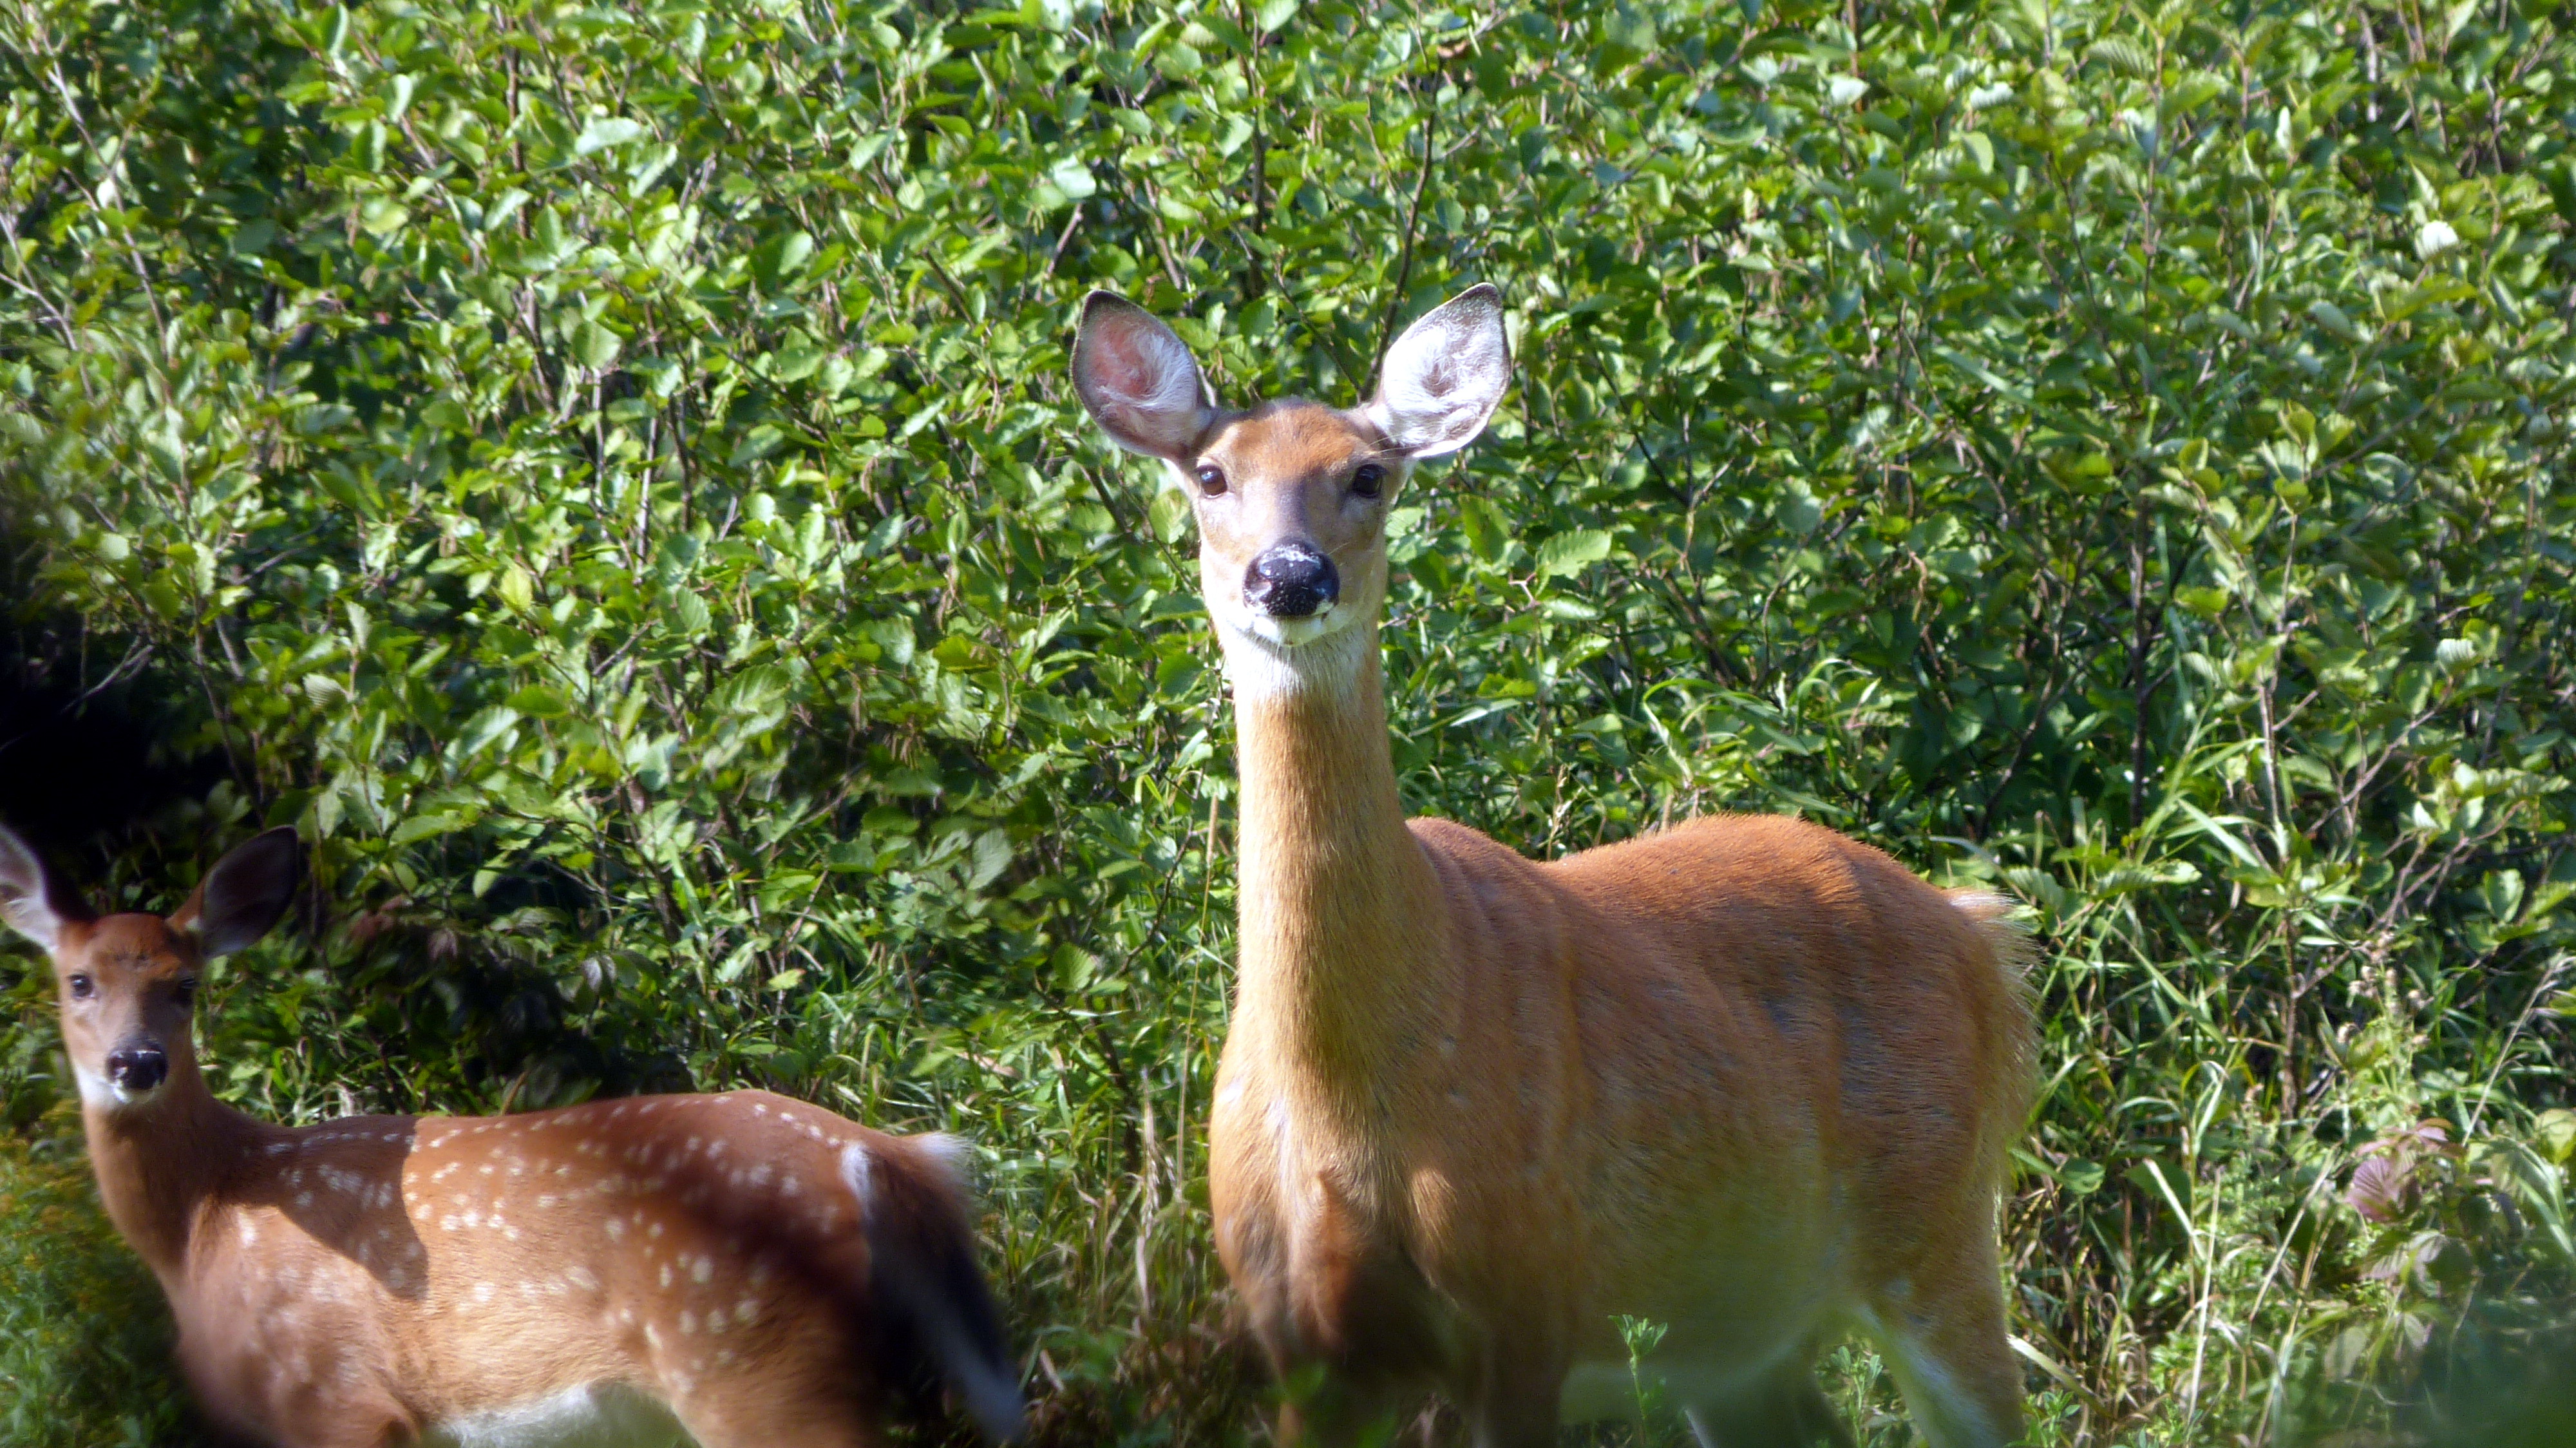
1442 378
242 896
27 900
1138 380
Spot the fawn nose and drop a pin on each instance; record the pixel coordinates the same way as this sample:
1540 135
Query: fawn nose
1291 580
138 1067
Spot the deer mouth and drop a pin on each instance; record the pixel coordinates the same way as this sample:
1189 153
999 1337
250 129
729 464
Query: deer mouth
1289 632
109 1093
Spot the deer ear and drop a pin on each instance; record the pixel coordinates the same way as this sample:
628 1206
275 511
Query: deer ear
26 894
242 896
1442 378
1138 381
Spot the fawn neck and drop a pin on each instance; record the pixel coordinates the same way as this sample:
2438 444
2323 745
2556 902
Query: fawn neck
157 1161
1340 910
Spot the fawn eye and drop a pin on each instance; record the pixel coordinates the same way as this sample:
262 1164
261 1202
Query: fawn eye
1211 480
188 990
82 989
1368 480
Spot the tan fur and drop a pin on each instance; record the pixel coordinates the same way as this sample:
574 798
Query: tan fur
374 1279
1745 1078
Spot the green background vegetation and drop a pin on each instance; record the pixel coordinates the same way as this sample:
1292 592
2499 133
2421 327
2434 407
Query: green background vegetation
608 476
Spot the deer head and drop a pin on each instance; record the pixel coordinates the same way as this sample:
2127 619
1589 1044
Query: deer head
1291 495
127 982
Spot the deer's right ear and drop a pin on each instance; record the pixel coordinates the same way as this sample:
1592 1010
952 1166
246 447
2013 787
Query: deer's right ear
1139 381
242 896
1442 378
26 896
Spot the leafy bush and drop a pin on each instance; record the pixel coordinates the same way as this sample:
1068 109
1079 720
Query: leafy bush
608 476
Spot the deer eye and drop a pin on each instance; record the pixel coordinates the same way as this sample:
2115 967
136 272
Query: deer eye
82 989
1211 480
187 990
1368 480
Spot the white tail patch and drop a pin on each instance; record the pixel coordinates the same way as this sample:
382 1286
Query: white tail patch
1992 911
858 1172
1983 905
953 1155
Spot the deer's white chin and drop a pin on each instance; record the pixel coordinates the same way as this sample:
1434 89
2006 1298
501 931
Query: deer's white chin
1265 655
1294 633
96 1090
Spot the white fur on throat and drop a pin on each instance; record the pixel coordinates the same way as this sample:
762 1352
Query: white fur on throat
1266 662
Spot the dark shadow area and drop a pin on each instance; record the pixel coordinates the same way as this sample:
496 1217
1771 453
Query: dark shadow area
84 757
2505 1384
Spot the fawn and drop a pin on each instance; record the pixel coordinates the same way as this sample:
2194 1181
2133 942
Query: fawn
746 1268
1746 1078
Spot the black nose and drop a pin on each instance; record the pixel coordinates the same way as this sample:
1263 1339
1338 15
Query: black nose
1291 580
137 1068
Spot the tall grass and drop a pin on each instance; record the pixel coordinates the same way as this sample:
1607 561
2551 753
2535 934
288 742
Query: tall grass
606 475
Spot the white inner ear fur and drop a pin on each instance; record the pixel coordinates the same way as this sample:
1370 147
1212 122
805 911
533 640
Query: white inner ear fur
1141 383
22 894
1443 377
1150 370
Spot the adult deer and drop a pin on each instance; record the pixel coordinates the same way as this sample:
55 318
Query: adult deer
745 1268
1745 1078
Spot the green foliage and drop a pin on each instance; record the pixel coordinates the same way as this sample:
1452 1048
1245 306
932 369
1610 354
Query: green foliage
84 1340
608 476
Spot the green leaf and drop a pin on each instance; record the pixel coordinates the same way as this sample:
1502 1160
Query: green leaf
2331 317
606 131
594 346
782 256
1569 553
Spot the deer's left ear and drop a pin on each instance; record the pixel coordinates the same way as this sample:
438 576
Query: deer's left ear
1442 378
245 893
27 894
1138 379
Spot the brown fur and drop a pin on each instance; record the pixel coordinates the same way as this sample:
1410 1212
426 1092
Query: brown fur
1745 1078
368 1280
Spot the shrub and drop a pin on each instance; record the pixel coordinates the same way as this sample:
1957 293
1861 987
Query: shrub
608 476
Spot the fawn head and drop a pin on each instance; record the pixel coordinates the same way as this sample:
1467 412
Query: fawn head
127 982
1292 495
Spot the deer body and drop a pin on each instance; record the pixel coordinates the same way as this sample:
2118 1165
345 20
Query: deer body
737 1269
1746 1078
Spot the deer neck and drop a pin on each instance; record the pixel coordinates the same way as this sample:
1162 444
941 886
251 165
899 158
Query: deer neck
1341 914
160 1160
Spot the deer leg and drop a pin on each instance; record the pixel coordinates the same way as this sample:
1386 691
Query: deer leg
1783 1410
374 1428
1518 1400
751 1420
1344 1408
1942 1330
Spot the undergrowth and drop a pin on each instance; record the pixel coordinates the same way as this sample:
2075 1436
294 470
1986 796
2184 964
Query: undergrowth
608 477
